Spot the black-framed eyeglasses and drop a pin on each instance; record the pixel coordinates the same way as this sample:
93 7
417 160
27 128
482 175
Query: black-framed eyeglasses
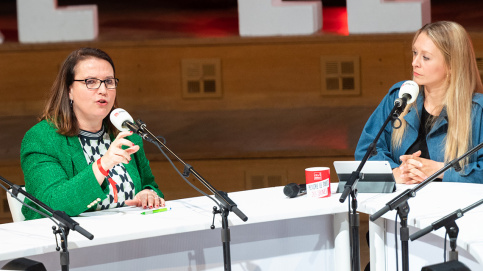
94 83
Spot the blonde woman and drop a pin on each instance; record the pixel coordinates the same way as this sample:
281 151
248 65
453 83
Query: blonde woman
447 118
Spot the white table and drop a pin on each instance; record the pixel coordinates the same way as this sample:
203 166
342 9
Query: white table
280 234
431 203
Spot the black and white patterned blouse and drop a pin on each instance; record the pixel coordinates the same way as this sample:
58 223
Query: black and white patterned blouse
121 186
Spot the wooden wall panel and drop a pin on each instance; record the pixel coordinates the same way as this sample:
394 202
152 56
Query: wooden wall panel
256 73
261 125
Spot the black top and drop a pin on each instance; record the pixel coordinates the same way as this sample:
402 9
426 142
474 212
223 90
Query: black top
420 144
424 128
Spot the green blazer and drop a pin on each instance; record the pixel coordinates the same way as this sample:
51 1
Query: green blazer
56 172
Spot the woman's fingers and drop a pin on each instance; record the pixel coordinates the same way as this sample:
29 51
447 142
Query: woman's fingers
417 174
116 154
123 134
132 150
146 199
415 163
132 202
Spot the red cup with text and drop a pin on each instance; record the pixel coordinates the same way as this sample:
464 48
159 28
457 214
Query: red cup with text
318 182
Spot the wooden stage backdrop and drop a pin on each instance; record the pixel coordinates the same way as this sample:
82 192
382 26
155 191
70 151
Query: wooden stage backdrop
244 112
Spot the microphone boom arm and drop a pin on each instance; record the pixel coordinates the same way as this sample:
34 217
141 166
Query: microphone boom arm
350 188
224 202
61 216
448 219
410 193
221 196
351 184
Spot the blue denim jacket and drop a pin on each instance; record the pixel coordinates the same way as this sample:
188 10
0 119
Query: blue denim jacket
472 173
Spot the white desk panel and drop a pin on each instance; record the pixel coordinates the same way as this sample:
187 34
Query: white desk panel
431 203
281 233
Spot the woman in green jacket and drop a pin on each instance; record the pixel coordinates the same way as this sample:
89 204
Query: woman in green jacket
74 159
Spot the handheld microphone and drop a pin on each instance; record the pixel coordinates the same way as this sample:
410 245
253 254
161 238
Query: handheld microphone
121 119
407 94
293 190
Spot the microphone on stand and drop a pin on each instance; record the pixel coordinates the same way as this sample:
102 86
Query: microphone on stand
407 94
123 121
293 190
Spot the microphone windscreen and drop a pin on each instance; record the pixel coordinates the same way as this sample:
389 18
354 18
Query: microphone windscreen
118 117
291 190
411 88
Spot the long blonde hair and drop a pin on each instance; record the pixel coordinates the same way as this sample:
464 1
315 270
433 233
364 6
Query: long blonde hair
462 82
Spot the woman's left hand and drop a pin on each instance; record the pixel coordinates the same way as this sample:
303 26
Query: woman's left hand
147 198
415 169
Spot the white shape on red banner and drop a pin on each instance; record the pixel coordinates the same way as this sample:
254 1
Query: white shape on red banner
387 16
43 21
277 17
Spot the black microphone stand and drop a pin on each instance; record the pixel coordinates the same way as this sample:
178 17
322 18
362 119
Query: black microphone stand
226 204
400 203
350 188
63 232
451 228
65 222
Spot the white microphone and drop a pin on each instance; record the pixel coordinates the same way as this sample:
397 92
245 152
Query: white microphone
121 119
407 94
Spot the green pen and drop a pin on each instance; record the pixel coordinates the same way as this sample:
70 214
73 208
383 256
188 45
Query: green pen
156 211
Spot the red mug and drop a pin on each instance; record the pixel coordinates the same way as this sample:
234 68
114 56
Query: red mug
318 182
